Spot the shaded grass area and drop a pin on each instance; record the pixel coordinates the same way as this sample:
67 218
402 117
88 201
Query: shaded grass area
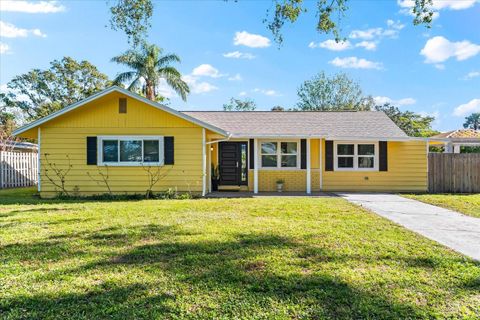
468 204
258 258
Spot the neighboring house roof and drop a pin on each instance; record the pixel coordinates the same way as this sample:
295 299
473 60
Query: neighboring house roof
127 93
19 145
348 124
459 134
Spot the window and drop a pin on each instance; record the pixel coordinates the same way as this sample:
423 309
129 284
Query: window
279 154
356 156
130 151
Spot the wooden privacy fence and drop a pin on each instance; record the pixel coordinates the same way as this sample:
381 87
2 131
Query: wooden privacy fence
18 169
454 172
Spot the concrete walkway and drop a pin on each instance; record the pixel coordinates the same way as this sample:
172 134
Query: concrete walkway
452 229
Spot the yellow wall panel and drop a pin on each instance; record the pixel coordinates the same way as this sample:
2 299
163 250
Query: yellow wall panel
407 171
64 141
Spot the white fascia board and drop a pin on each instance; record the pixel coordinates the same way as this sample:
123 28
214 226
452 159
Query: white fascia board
345 138
127 93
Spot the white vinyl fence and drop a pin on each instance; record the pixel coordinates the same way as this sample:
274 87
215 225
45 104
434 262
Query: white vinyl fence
18 169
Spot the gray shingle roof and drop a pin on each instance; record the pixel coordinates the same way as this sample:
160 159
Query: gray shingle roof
361 124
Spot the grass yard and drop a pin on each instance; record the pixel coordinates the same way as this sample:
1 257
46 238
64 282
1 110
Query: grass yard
263 258
465 203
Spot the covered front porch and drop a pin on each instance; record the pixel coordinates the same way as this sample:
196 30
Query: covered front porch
254 166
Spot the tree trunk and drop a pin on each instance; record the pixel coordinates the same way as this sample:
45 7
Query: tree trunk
150 92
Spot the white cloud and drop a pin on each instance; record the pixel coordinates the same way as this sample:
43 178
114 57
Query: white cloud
471 75
366 34
441 4
3 88
267 92
8 30
437 5
439 49
239 55
379 100
4 48
206 70
467 108
250 40
355 63
165 90
31 7
368 45
242 94
397 25
331 45
392 31
198 87
236 77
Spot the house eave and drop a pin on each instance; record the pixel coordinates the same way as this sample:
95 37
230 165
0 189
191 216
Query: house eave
128 93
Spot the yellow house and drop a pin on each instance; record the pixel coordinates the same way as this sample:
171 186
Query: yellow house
117 141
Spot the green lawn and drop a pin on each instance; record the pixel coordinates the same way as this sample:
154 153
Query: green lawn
264 258
465 203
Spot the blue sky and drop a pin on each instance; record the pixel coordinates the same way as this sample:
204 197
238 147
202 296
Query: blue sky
227 51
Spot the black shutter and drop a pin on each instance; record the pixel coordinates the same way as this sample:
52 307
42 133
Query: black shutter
328 155
252 153
168 150
383 156
303 154
91 150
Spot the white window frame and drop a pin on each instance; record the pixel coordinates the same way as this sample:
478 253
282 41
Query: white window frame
100 139
355 155
279 154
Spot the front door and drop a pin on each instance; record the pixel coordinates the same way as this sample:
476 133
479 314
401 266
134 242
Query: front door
233 163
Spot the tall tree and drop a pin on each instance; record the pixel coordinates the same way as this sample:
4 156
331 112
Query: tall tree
278 108
472 121
338 92
148 68
133 16
240 105
413 124
38 93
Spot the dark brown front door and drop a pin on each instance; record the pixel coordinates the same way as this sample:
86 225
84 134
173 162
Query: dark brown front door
233 163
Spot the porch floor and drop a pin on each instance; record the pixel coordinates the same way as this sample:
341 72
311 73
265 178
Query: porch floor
247 194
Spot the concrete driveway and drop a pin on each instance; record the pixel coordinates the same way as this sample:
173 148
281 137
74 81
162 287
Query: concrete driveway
452 229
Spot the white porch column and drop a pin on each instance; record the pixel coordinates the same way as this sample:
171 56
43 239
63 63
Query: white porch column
39 186
204 163
456 148
209 167
320 165
255 166
309 177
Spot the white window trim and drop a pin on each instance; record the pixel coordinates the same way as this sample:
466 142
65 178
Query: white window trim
355 156
279 155
100 139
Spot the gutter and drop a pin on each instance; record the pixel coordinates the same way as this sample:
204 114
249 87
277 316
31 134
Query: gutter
221 140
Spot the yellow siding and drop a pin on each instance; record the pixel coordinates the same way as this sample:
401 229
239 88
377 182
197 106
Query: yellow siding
66 136
407 171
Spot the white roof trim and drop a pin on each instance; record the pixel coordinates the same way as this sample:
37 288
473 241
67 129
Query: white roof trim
127 93
366 138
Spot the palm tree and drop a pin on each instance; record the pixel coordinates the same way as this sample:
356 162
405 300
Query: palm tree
149 67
